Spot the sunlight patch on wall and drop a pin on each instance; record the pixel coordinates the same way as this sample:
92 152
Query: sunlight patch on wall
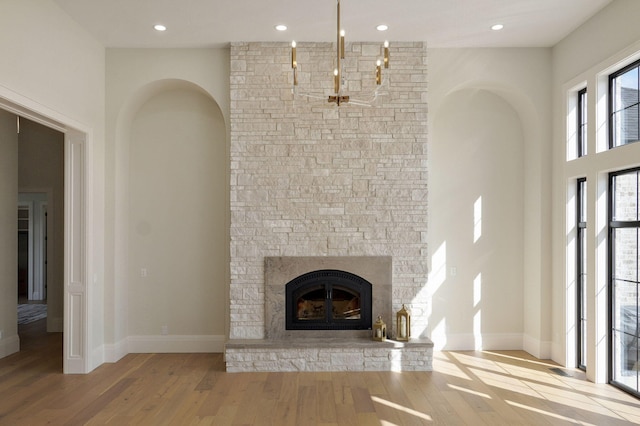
477 318
437 277
438 273
477 290
477 219
439 335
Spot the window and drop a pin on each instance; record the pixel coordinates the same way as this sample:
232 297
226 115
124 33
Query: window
582 122
624 307
623 106
581 296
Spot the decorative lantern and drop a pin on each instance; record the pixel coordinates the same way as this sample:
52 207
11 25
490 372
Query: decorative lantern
379 330
403 324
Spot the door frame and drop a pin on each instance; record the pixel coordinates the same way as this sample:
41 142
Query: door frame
78 225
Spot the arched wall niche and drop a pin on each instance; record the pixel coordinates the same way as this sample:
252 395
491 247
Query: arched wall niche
505 122
170 133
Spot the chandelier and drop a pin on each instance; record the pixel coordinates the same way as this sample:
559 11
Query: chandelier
339 97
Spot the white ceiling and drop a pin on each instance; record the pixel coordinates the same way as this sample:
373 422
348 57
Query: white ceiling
441 23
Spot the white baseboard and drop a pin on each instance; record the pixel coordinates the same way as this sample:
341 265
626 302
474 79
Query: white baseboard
9 345
536 347
471 342
116 351
176 344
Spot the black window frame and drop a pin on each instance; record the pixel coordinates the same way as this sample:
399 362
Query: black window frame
613 225
581 309
611 112
581 128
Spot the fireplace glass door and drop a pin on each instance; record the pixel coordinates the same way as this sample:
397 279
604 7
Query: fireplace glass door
328 300
336 302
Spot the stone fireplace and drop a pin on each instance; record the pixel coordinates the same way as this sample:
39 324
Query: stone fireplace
326 188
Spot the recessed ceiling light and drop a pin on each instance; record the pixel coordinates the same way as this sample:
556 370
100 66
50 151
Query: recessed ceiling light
382 27
281 27
497 27
159 27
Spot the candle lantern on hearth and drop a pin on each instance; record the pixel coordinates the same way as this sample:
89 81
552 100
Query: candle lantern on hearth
403 324
379 330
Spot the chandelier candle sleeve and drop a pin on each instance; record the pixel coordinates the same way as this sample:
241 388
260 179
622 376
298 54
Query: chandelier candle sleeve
294 62
378 73
386 54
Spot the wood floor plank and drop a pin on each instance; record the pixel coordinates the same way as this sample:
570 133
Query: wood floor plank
248 406
362 400
326 404
346 415
341 389
307 409
92 409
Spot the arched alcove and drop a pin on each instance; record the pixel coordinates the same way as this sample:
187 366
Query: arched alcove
171 228
476 221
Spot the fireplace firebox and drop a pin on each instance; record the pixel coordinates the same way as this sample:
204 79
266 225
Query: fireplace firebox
328 300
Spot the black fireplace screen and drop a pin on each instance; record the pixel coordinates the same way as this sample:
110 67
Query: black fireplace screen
328 300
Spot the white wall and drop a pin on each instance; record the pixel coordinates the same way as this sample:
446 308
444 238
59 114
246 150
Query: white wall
488 111
50 59
51 66
584 59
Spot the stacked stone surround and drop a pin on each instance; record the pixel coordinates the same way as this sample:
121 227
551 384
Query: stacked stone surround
311 179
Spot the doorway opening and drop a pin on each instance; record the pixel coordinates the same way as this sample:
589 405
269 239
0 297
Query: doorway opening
76 217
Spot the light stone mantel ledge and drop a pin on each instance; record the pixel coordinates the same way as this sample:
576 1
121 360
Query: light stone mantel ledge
328 354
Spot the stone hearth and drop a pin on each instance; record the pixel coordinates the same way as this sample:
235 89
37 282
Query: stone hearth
326 350
326 354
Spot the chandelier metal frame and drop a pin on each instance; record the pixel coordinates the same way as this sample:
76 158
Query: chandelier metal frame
339 97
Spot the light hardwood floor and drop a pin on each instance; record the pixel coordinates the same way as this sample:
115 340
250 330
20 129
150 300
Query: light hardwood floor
465 388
